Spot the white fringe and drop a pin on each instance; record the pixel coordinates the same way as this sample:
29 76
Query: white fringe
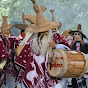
28 35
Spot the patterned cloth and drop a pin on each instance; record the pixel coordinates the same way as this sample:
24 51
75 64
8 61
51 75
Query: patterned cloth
9 44
13 42
36 75
3 55
3 51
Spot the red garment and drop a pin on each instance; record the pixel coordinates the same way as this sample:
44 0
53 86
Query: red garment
13 42
3 55
6 43
11 69
3 51
36 75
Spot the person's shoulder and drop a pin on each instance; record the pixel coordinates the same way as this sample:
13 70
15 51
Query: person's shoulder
85 44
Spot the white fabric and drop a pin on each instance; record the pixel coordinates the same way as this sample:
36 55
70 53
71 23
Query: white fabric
28 35
87 82
59 46
62 46
22 85
10 81
3 86
62 84
69 81
59 85
19 85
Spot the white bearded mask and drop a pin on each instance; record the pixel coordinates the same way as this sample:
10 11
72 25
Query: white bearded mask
40 44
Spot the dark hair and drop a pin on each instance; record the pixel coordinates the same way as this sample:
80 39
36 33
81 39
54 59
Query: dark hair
22 30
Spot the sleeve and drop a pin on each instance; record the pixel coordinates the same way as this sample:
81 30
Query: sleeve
85 48
24 56
3 51
59 39
58 46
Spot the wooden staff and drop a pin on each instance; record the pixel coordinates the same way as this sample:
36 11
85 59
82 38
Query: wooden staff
50 55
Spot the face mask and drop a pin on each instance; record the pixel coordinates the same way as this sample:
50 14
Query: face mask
69 39
77 36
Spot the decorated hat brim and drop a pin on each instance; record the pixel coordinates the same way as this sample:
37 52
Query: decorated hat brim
44 28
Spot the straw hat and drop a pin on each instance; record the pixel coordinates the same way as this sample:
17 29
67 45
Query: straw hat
22 26
66 33
53 18
78 30
5 24
28 28
42 24
31 18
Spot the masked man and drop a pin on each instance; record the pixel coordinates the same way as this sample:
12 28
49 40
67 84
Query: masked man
34 55
79 45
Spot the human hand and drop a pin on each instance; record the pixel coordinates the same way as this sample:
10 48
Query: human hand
52 44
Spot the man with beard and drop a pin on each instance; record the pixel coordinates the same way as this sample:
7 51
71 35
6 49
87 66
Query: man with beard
34 56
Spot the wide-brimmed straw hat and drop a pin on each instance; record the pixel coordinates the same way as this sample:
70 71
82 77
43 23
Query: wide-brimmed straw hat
78 30
31 18
53 18
42 24
5 24
29 27
22 26
66 33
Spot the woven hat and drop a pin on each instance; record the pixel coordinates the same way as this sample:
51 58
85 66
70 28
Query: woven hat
5 24
66 33
22 26
53 18
28 28
78 30
42 24
31 18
